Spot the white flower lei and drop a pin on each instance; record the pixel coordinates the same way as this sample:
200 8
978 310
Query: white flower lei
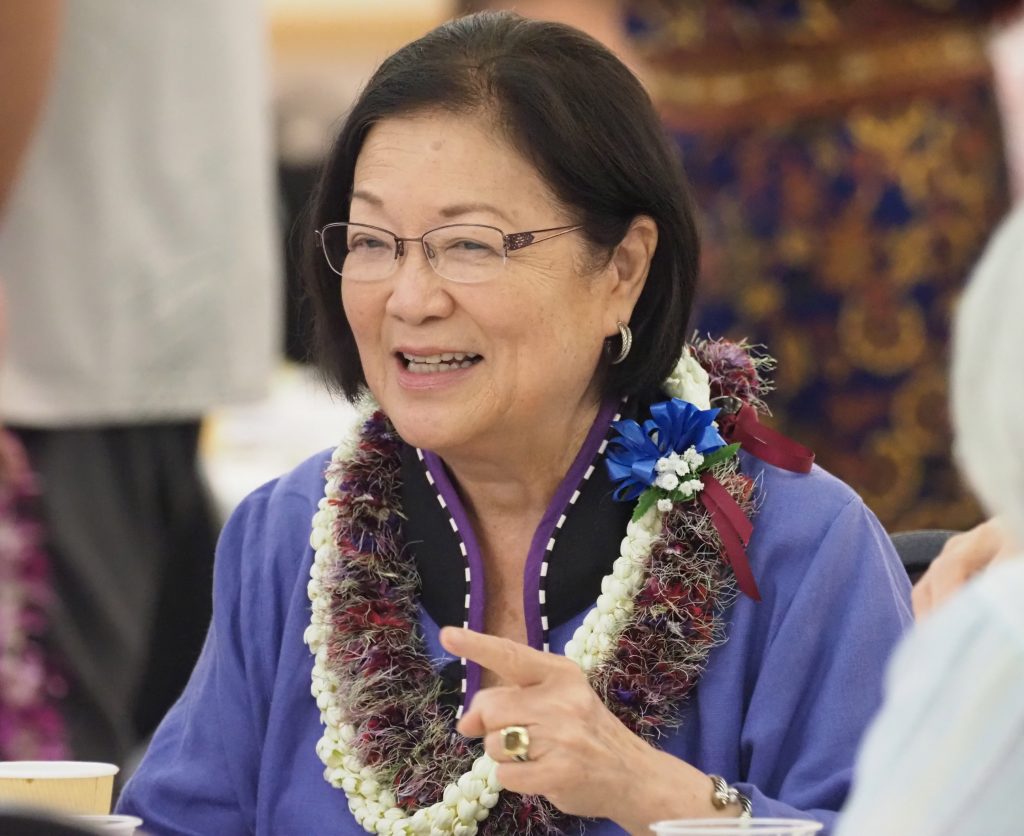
689 381
467 801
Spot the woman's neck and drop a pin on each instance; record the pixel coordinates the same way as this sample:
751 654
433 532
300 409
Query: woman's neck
506 488
516 476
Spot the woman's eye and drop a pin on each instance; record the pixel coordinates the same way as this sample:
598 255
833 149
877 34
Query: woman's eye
467 245
366 243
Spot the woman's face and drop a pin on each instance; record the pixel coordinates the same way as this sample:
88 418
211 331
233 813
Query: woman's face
534 332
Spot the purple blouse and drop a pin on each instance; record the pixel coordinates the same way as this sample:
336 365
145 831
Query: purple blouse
779 711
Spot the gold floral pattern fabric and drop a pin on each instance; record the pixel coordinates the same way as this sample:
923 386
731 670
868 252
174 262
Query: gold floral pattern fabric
838 231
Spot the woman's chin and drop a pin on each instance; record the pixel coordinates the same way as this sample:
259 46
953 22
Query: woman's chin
429 430
431 423
435 415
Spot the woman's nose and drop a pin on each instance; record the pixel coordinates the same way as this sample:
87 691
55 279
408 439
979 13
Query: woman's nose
417 292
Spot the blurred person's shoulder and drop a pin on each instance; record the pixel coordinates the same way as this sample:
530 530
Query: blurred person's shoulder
997 596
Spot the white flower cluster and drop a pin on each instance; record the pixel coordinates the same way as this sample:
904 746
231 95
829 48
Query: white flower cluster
689 381
673 470
595 639
467 801
463 806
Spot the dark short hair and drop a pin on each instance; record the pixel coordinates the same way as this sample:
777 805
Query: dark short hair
578 114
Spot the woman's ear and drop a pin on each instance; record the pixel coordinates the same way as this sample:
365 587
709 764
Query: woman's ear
629 265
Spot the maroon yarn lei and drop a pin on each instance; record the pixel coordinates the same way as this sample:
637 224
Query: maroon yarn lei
376 652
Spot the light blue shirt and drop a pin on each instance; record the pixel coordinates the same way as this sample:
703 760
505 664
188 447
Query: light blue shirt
946 753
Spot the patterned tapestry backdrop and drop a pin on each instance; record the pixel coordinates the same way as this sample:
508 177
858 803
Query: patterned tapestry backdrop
847 160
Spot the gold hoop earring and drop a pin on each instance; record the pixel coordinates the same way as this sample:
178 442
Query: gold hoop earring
627 343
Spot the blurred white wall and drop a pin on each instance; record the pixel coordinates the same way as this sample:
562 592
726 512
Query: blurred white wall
323 52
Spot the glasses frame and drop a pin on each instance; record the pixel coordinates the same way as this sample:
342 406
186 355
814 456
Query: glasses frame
511 241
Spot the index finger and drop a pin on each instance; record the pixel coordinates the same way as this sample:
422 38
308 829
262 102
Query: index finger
515 663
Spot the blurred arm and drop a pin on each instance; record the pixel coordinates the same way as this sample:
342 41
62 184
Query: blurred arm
29 33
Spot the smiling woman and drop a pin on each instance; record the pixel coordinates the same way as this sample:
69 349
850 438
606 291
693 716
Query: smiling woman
502 270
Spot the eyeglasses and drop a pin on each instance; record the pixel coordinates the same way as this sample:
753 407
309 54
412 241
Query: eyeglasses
464 253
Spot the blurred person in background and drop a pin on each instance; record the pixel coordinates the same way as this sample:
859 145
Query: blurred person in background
946 753
138 253
847 158
31 726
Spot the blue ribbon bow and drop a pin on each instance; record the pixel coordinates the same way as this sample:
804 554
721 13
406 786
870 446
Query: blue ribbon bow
675 425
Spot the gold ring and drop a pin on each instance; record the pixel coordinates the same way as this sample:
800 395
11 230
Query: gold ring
515 743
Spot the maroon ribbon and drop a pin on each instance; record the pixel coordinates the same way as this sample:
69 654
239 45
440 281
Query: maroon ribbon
734 528
767 444
728 518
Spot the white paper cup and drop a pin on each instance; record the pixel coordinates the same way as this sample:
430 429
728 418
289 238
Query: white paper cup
78 787
736 827
110 825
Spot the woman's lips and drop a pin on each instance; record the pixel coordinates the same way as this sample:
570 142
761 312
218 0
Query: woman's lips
435 369
447 361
